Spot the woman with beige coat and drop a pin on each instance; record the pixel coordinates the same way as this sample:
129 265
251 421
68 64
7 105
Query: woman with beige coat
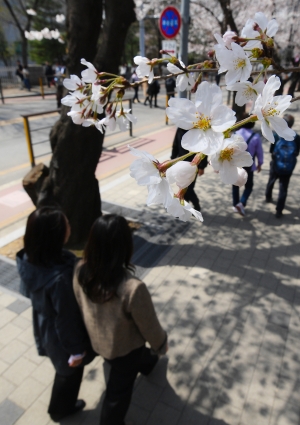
118 313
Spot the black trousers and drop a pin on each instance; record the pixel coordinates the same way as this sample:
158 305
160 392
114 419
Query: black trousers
120 384
190 196
283 187
64 393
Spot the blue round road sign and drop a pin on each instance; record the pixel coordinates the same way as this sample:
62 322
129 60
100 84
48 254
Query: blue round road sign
169 22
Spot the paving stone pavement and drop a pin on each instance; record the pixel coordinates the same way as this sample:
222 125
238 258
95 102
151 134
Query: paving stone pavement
228 293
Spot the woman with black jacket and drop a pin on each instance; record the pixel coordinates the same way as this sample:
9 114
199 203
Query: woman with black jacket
46 271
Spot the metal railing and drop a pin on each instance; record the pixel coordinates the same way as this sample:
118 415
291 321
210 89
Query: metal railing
28 132
32 93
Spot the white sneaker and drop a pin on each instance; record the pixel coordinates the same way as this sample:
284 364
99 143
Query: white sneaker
240 208
234 209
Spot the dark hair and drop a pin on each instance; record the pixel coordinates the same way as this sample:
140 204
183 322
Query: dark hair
106 257
45 236
289 119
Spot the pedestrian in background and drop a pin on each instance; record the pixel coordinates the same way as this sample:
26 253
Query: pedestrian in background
284 159
118 313
177 151
152 92
170 87
254 143
26 79
49 73
46 271
135 79
19 74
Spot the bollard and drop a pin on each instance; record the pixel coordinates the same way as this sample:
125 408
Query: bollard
42 87
28 141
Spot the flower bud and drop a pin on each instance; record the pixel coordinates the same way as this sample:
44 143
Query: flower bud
182 173
257 53
211 53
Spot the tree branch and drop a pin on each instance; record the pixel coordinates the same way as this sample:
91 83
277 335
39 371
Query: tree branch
14 16
210 12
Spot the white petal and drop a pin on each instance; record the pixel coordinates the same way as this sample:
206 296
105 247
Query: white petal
282 129
160 193
242 177
261 19
88 64
182 173
267 132
272 28
223 118
173 68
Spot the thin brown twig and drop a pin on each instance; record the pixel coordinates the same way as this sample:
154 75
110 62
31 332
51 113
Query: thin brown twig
295 98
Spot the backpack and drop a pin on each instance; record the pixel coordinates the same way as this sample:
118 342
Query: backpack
170 85
284 155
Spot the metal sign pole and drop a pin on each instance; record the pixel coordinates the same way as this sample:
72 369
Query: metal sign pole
1 92
184 35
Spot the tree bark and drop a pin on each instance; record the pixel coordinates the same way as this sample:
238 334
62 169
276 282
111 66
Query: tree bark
228 20
76 150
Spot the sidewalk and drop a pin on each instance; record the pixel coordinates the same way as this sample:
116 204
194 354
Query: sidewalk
228 293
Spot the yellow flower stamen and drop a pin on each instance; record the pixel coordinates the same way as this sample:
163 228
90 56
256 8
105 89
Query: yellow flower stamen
202 123
239 63
248 92
226 154
271 111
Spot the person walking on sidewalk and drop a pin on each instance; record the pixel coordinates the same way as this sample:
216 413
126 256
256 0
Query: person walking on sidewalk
152 92
46 271
135 79
254 143
284 159
118 313
177 151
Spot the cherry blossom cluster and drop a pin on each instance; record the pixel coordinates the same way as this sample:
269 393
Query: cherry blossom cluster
210 125
90 94
44 33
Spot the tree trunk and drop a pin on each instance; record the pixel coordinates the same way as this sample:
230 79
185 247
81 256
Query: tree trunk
119 15
76 150
24 51
228 20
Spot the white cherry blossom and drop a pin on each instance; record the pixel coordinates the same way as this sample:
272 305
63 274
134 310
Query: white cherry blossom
73 83
235 62
144 170
31 12
226 40
72 98
160 194
268 108
55 34
29 36
246 91
206 119
144 68
123 118
89 75
231 157
76 116
60 18
183 210
182 173
270 28
46 33
183 81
